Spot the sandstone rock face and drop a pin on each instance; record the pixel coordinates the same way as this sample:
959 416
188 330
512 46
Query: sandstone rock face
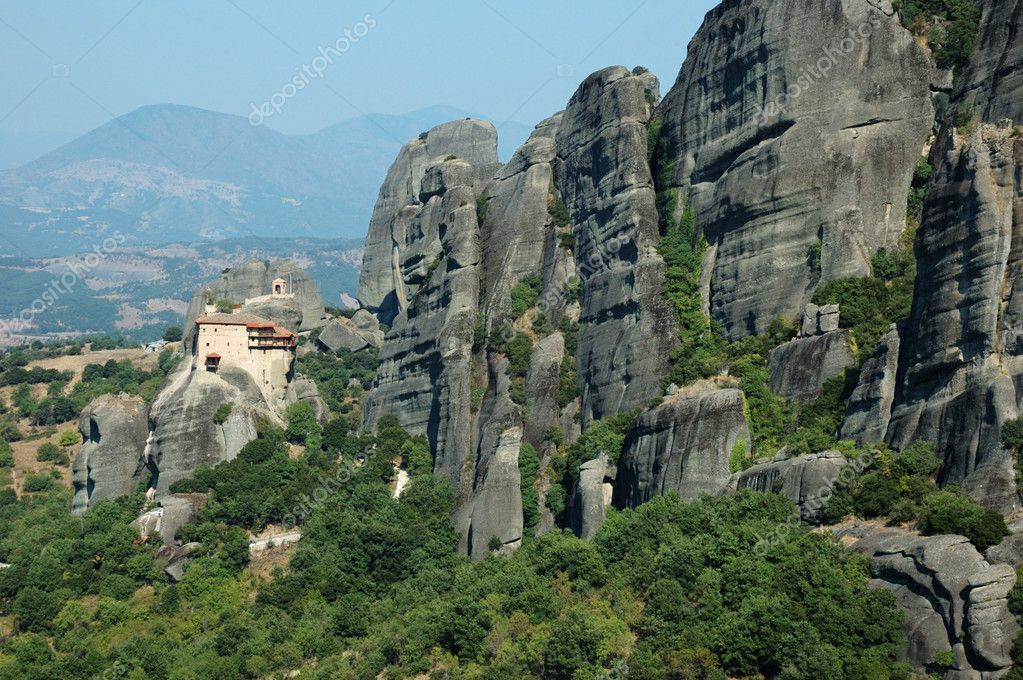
515 232
542 385
683 445
961 361
252 280
182 420
993 81
783 143
961 358
426 360
109 464
800 367
819 320
869 409
398 252
627 329
497 498
954 600
805 480
351 334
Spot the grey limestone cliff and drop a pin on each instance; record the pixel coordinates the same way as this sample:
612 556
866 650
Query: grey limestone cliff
683 445
627 328
784 143
110 461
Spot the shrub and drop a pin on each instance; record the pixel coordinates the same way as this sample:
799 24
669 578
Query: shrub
172 334
529 463
481 208
38 482
301 422
559 213
6 455
51 453
221 414
525 294
951 512
69 438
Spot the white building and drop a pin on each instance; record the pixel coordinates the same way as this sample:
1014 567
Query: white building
265 351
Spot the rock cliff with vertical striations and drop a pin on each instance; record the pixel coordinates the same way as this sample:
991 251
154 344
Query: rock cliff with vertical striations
792 125
961 356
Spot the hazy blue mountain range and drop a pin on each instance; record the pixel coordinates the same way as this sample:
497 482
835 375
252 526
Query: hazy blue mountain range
167 173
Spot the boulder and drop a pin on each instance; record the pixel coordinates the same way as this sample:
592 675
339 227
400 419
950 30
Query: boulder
799 368
177 559
340 334
808 481
683 445
954 599
796 176
819 320
628 330
302 388
110 462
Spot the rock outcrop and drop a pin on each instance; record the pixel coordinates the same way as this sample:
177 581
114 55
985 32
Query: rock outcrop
627 328
252 281
954 600
593 493
961 358
182 421
800 367
785 146
172 513
360 332
992 83
400 249
426 360
110 462
808 481
869 408
683 445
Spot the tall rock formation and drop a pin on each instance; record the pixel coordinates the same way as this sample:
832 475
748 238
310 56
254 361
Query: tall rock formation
110 462
398 254
784 145
627 328
961 356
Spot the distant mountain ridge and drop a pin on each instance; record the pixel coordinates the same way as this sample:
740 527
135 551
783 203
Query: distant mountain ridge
167 173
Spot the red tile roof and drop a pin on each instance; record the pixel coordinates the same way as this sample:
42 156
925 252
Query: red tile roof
212 355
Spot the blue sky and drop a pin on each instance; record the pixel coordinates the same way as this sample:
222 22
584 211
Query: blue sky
69 66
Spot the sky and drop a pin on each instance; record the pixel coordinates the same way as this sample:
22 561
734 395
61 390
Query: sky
68 66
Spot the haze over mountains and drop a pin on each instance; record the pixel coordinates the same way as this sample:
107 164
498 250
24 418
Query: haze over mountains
170 173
